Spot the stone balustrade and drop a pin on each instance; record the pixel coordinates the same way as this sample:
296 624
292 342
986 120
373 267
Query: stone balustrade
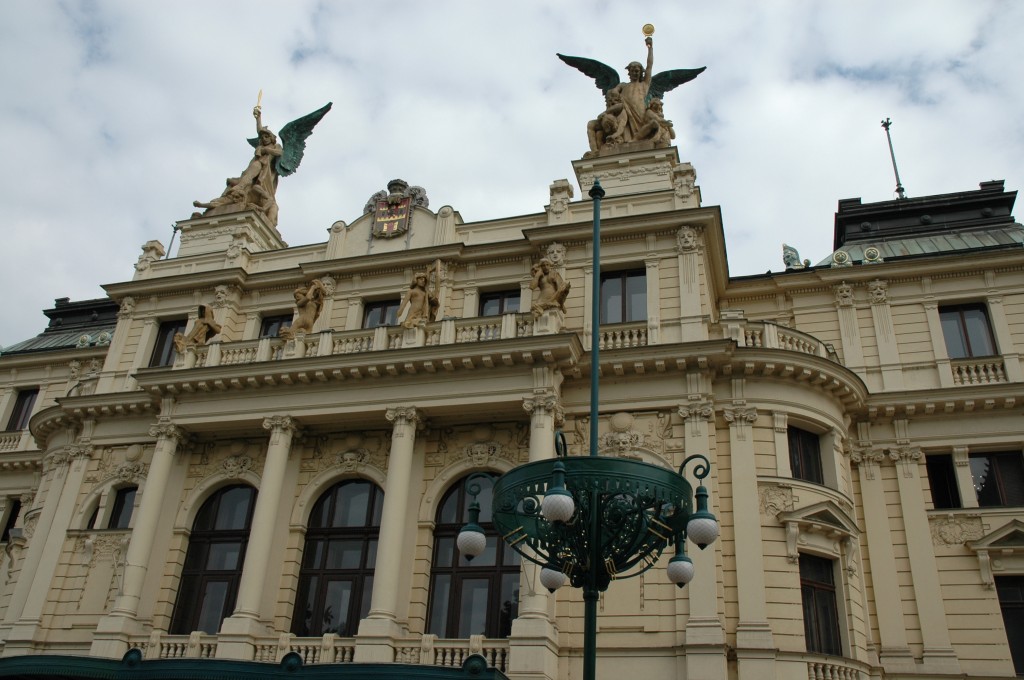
978 371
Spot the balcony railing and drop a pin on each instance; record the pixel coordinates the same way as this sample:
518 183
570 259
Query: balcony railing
821 667
433 651
327 649
978 371
772 336
623 335
162 646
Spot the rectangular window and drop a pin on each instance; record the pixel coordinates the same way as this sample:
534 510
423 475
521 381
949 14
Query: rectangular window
499 302
380 313
164 351
821 615
967 331
624 296
271 326
942 479
12 518
22 410
998 478
121 513
805 455
1011 601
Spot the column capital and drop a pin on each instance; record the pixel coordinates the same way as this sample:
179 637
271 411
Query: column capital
906 457
544 404
739 415
165 429
696 410
405 415
280 424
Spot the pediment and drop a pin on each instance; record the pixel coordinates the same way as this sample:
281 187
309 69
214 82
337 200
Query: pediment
823 516
1010 536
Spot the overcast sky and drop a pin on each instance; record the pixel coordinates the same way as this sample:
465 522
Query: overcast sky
117 115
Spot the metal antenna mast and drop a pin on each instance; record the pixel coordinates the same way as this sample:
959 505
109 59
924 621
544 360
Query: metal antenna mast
899 186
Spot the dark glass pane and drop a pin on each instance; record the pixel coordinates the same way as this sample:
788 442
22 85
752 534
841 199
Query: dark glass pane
371 554
484 498
448 513
164 350
313 555
364 601
942 479
953 332
817 569
337 601
440 591
1011 478
821 614
473 606
509 607
224 557
828 622
22 411
511 304
490 307
352 505
344 554
636 297
611 300
272 326
444 554
380 314
985 482
121 513
233 512
211 608
1011 601
487 557
511 558
979 336
12 518
378 508
805 455
302 621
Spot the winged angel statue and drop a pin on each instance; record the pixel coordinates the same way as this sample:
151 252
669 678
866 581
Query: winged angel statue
633 117
256 187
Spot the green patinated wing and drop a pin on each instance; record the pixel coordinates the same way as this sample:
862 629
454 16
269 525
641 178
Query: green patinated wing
669 80
604 75
293 140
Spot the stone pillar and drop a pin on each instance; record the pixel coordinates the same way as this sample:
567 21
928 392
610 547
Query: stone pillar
780 423
114 629
885 336
323 322
117 345
1004 338
691 313
931 313
142 352
939 656
68 466
705 636
237 631
964 478
533 643
849 330
755 646
375 641
651 272
893 653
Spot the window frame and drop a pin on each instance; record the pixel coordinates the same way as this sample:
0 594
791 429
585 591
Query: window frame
13 514
805 457
194 581
452 514
117 519
268 322
503 297
1000 469
390 313
943 482
626 310
1003 584
817 630
321 576
164 352
21 411
957 314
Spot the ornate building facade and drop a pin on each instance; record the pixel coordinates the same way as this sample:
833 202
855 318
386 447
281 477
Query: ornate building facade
250 449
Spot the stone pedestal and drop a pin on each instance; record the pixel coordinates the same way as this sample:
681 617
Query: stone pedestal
533 650
231 234
549 322
414 337
632 172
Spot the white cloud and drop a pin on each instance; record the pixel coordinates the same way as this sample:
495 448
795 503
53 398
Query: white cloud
118 114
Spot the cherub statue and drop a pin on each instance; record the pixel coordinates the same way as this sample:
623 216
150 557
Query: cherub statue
205 328
609 127
309 301
655 127
636 94
256 187
551 289
421 303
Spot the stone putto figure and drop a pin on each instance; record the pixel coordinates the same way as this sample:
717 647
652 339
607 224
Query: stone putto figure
309 301
631 121
204 329
551 289
256 188
421 303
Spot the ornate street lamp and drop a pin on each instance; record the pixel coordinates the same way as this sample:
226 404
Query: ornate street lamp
589 520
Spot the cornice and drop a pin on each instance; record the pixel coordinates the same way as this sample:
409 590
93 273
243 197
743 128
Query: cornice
943 401
177 283
562 350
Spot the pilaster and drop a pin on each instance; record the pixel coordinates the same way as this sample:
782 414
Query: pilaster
885 335
689 246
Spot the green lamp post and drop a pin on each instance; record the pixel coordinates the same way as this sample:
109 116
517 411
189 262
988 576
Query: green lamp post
588 520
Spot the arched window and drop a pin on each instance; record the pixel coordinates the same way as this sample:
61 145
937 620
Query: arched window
338 561
213 563
471 598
